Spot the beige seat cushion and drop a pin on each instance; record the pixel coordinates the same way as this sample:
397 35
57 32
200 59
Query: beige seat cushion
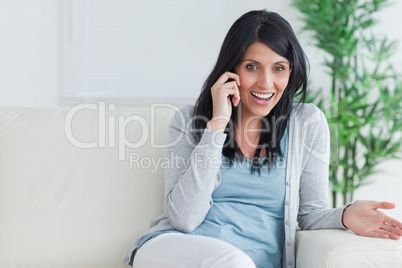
65 206
344 249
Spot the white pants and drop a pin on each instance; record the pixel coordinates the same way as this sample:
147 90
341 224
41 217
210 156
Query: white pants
175 250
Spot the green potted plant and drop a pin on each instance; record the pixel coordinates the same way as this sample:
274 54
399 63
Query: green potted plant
363 104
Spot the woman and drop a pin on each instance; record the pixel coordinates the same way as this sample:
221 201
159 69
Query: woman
248 163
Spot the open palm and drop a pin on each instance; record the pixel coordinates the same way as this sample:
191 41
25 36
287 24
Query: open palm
363 218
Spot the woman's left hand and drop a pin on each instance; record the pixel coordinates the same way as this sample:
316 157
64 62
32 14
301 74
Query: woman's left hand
363 218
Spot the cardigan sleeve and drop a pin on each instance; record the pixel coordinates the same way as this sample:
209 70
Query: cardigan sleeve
193 171
314 211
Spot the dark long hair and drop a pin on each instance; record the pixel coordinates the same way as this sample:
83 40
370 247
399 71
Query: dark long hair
274 31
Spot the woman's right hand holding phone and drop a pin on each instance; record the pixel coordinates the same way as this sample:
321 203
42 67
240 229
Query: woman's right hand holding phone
222 108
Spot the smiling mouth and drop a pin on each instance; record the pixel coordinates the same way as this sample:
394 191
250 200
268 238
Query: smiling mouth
262 97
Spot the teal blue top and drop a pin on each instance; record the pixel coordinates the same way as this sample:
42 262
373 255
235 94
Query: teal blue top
248 209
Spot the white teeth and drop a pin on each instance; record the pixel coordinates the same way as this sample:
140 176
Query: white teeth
262 96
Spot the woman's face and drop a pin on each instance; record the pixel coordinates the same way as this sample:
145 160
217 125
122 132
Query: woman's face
264 76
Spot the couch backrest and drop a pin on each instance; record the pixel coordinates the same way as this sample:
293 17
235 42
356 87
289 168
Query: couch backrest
72 192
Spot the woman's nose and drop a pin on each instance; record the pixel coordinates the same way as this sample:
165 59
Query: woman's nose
266 80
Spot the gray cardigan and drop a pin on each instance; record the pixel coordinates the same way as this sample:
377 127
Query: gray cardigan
194 173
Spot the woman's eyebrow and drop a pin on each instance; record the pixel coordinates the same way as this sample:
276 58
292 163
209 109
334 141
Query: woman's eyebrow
278 62
251 60
282 62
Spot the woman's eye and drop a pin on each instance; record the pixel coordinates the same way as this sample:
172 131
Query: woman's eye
279 68
251 67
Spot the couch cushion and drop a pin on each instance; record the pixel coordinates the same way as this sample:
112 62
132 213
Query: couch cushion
339 248
63 205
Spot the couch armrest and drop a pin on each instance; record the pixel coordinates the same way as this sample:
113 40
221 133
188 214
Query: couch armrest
340 248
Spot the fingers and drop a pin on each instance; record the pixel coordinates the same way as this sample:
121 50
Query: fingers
385 231
378 234
391 229
236 99
388 234
226 76
393 223
382 205
381 233
224 88
231 89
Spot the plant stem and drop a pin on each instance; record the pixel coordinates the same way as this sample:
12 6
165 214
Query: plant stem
334 198
345 174
334 86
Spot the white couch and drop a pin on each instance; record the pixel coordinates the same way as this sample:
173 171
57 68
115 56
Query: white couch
74 194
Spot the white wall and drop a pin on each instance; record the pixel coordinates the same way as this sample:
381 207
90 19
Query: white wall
29 53
30 61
